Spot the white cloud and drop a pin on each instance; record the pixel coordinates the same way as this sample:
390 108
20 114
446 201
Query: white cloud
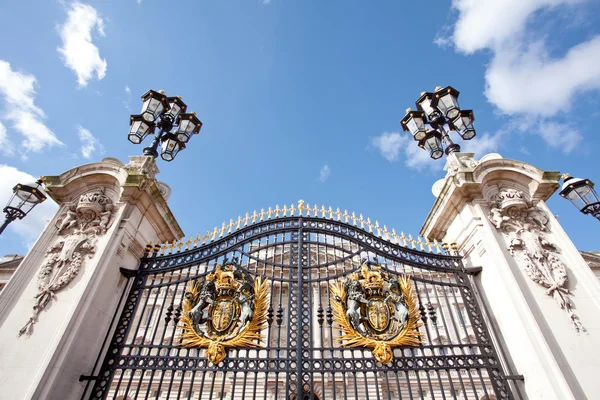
523 79
18 91
484 144
6 146
77 50
389 144
530 81
89 143
127 90
324 173
491 24
560 136
392 144
32 225
265 2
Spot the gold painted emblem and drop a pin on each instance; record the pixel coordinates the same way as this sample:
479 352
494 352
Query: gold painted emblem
376 310
227 308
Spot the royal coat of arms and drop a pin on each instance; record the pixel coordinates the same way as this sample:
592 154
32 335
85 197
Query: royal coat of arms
377 310
226 308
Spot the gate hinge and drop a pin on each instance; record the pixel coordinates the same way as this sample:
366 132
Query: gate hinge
88 378
473 270
128 273
515 377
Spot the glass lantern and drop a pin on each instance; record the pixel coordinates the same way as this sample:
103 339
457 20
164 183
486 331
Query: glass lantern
170 147
446 100
139 128
188 125
432 142
155 103
414 122
463 124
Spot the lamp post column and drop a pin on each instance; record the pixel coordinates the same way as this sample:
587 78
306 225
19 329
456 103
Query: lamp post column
7 221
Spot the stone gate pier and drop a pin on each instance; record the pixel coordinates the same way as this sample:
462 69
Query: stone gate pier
57 308
543 297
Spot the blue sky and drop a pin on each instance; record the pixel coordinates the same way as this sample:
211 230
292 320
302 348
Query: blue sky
299 99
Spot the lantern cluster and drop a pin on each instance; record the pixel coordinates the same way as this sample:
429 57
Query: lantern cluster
434 111
164 113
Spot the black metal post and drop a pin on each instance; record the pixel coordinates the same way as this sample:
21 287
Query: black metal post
451 147
7 221
152 150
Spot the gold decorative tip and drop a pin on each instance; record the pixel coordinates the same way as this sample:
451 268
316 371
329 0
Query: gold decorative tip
161 91
300 205
408 110
565 176
438 88
422 93
193 113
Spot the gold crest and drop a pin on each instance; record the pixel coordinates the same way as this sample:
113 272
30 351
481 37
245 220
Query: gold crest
226 309
376 311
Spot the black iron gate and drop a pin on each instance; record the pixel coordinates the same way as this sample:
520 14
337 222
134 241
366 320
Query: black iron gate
301 356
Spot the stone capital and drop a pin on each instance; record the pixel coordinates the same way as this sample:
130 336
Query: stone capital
492 179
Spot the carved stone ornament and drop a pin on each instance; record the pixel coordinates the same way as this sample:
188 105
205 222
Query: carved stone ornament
377 310
460 164
78 230
523 227
144 165
227 308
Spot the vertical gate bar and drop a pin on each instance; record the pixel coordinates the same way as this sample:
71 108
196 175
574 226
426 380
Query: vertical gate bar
412 350
161 345
162 278
408 384
478 370
189 395
449 308
299 386
493 330
433 352
398 390
109 332
292 286
467 286
116 346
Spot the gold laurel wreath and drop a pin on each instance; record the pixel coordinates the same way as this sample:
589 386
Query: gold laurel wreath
250 336
382 349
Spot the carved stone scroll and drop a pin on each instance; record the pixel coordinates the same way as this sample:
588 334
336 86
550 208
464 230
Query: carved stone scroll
524 225
78 231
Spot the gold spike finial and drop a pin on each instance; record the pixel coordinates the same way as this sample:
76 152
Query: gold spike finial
565 176
438 88
300 206
408 109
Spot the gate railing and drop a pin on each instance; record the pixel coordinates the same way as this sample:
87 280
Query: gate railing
302 255
303 210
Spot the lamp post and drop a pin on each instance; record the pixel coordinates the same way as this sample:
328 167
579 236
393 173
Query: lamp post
24 198
438 109
581 193
164 113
